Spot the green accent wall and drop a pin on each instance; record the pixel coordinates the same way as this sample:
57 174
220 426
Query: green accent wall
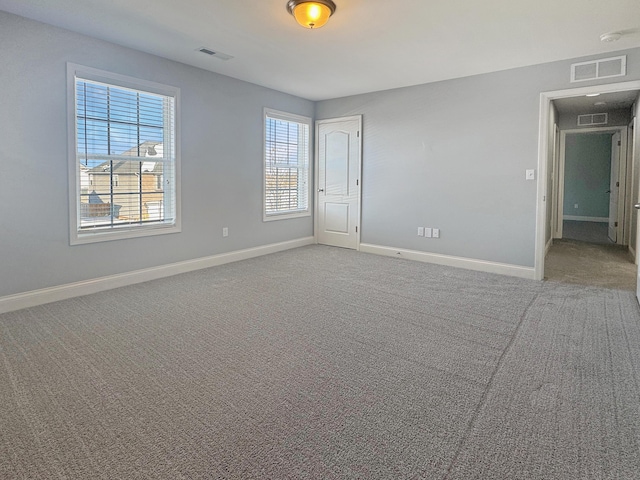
587 174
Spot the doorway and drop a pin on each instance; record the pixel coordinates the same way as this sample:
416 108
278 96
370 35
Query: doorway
591 195
589 245
548 219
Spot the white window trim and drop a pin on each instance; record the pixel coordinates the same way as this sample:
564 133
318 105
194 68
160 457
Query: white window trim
75 236
289 117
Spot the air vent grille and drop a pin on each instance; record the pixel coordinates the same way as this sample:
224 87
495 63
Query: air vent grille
603 68
213 53
593 119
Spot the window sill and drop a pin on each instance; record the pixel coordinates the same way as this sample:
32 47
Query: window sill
80 238
285 216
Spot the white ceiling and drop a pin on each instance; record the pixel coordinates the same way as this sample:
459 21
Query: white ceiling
583 104
368 45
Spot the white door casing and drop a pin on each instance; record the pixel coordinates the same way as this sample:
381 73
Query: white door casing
614 187
556 230
629 199
338 147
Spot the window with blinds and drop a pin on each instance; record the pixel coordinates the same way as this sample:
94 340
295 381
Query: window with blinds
286 165
125 162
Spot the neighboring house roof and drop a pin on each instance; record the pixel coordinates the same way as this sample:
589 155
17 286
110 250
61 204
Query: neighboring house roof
145 149
94 198
148 149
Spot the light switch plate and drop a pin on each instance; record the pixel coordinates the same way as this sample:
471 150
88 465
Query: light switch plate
531 174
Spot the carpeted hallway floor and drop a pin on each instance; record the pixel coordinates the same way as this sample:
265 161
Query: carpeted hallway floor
590 264
324 363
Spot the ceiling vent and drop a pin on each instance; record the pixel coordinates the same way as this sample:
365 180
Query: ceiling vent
603 68
593 119
212 53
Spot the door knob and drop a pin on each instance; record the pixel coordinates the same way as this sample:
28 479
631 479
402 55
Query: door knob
322 190
637 205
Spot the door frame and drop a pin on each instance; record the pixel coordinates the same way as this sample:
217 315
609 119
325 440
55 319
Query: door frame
632 174
543 158
555 186
316 174
558 194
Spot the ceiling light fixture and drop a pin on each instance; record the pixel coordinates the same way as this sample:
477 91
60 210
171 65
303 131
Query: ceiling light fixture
610 37
311 14
592 95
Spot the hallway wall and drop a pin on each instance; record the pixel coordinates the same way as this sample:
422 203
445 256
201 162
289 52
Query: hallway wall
587 175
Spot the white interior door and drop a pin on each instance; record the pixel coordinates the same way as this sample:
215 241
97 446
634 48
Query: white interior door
637 206
635 191
338 200
614 188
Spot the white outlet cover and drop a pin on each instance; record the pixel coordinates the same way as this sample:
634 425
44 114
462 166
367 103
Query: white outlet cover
436 233
421 231
427 232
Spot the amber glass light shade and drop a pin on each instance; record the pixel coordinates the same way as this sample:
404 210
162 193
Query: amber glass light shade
311 14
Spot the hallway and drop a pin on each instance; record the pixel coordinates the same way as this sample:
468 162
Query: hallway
587 257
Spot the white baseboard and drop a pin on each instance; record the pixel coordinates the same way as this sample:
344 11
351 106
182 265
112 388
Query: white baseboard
459 262
586 219
53 294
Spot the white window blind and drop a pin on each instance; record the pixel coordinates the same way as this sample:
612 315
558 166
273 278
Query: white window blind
286 168
125 158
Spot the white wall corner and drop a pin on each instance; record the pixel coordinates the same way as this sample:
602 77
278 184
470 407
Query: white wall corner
62 292
548 246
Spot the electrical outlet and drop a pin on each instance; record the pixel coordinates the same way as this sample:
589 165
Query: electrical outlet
427 232
436 233
421 231
225 231
575 205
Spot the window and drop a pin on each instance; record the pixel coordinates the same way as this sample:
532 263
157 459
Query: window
286 165
124 165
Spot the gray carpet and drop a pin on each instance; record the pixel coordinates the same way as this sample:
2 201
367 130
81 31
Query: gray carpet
591 232
323 363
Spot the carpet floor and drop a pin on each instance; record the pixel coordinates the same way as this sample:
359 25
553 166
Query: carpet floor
591 232
323 363
590 264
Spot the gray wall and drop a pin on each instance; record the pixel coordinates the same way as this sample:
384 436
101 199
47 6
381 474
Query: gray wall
453 155
221 123
587 174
